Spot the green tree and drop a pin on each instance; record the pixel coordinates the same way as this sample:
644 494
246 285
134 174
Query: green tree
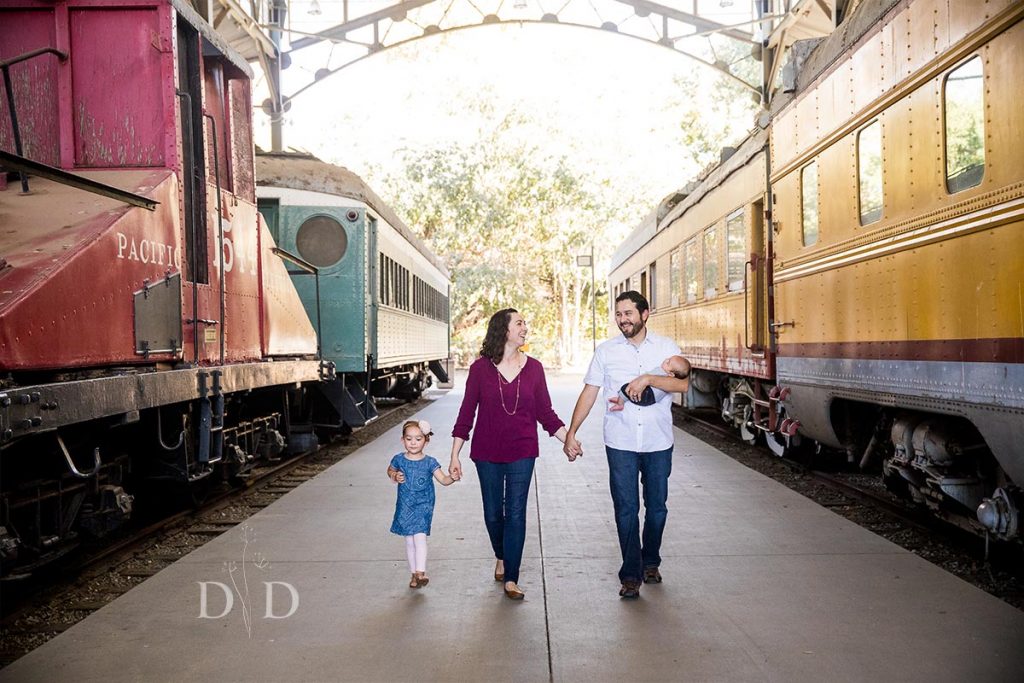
509 220
510 217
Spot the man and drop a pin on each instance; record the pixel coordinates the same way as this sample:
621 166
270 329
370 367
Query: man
638 439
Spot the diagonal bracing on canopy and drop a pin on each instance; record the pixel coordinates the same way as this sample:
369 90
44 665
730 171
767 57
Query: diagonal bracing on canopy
730 48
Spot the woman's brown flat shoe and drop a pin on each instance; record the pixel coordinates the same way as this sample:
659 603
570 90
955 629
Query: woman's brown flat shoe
414 582
499 577
422 579
514 593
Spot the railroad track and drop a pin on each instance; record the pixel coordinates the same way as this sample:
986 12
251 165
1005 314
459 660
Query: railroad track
44 609
855 493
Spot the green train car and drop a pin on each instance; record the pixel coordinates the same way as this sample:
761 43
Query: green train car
383 304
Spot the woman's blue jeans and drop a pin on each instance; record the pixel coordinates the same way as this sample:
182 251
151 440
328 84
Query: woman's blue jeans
505 487
653 470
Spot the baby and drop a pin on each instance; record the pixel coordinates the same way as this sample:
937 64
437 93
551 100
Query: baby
675 366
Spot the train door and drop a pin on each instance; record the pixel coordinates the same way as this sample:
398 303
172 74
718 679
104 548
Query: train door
757 284
193 180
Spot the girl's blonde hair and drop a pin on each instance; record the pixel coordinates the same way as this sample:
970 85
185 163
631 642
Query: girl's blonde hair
421 425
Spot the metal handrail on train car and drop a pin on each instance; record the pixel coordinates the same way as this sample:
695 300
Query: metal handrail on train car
192 228
5 67
747 267
220 232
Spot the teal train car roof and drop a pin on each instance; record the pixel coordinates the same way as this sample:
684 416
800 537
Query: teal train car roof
303 171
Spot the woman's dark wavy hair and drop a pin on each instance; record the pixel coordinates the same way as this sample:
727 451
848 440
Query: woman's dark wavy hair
497 333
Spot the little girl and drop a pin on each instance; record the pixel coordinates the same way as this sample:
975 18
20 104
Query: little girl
414 472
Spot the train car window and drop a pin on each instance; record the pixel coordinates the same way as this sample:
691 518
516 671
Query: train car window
405 289
690 269
643 286
809 202
675 277
382 286
652 279
869 171
710 262
736 246
392 289
964 110
321 240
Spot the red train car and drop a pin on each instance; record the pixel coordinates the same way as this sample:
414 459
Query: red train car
148 332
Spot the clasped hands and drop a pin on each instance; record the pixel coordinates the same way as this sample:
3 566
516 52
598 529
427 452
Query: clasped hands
573 449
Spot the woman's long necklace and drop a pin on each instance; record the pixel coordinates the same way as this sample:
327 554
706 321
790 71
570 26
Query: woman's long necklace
501 395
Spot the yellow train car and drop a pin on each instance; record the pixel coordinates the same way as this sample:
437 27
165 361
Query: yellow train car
885 282
898 175
701 261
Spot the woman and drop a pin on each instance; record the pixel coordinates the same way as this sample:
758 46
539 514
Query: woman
507 392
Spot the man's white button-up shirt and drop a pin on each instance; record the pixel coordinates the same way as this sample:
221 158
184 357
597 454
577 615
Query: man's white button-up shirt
617 361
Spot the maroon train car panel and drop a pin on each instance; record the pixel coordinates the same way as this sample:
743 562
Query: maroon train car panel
116 99
73 263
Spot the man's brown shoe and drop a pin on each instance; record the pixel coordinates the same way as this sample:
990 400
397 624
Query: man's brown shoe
630 589
652 575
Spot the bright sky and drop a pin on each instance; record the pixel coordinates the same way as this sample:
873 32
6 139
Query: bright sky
609 101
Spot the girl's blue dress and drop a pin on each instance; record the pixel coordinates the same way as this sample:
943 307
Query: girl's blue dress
414 509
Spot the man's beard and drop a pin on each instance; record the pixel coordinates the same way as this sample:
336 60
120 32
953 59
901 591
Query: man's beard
637 329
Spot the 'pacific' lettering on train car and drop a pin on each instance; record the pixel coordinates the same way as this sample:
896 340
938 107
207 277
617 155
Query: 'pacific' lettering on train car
147 251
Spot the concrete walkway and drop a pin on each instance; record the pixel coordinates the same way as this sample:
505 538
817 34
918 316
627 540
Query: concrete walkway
760 585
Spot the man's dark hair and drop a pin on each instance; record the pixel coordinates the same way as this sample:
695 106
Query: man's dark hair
636 297
497 333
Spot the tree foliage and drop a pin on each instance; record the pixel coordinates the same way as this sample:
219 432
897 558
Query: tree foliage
510 218
510 221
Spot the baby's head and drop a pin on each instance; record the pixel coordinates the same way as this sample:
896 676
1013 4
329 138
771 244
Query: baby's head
677 366
415 435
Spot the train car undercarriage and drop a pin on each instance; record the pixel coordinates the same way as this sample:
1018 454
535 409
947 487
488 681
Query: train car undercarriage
139 453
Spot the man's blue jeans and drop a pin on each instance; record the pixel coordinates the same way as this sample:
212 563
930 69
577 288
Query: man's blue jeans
505 487
626 470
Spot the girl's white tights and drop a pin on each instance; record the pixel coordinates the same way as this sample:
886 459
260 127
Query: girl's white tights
416 552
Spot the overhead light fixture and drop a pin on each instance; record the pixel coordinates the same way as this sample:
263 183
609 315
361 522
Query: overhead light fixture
314 8
519 4
725 3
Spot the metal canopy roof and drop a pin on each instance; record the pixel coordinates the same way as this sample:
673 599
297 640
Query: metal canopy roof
745 40
681 25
